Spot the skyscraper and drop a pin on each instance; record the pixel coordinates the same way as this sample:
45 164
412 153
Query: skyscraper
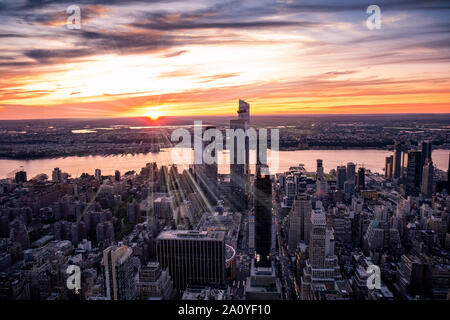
192 257
341 177
318 238
413 172
299 221
206 173
351 171
426 149
427 178
388 169
361 179
322 264
319 170
244 114
262 194
119 273
397 159
238 179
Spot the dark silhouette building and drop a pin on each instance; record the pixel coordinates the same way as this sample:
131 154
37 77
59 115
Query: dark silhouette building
20 176
413 172
361 179
397 160
263 205
237 168
427 179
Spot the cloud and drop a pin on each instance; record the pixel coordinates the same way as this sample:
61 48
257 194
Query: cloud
167 26
356 5
337 58
218 77
175 53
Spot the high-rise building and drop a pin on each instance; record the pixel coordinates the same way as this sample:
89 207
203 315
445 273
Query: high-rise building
351 171
397 160
119 273
413 173
262 195
425 149
318 238
322 265
341 177
192 257
361 179
238 179
291 191
240 158
244 114
388 169
427 178
57 175
163 179
206 173
117 175
299 221
319 170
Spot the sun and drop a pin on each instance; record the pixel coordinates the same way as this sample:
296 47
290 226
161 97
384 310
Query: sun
153 114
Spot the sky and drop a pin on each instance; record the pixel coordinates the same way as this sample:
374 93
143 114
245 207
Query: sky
198 57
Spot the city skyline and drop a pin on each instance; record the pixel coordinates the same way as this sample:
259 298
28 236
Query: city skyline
194 58
170 232
231 153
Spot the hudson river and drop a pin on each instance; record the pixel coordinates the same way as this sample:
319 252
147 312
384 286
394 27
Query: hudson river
75 166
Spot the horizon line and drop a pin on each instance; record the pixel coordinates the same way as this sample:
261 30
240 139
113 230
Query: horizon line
232 115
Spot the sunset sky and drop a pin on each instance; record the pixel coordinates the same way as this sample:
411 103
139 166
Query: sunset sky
198 57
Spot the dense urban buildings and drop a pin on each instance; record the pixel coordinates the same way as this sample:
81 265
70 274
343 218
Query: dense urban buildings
167 231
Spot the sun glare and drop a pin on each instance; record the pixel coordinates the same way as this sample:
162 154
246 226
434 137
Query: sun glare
153 114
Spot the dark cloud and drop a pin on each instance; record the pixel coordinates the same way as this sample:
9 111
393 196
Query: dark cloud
58 15
48 56
13 35
353 5
167 26
175 54
33 4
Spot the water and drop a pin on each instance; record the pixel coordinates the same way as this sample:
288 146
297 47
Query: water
75 166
